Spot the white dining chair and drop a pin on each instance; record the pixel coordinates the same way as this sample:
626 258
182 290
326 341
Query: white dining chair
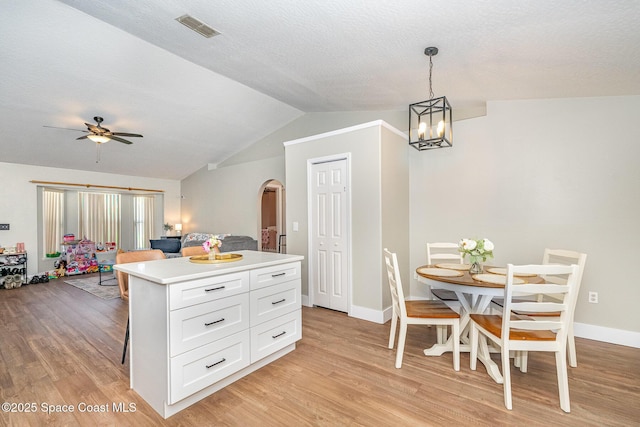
123 257
422 312
447 252
564 257
520 333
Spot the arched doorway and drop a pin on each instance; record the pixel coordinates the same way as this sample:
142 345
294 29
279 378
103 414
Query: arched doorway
271 218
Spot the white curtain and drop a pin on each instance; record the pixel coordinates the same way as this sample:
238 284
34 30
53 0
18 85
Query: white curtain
99 217
53 218
143 213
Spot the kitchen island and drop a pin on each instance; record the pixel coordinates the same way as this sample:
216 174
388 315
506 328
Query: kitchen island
197 327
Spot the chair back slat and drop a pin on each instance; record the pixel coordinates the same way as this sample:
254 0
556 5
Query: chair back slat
536 325
564 257
538 307
564 294
532 289
395 283
443 251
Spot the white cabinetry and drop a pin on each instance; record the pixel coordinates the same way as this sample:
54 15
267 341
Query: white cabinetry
193 337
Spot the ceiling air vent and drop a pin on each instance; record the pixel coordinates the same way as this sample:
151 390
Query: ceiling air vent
197 26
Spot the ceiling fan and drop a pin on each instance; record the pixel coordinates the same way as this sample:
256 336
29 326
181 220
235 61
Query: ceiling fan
101 135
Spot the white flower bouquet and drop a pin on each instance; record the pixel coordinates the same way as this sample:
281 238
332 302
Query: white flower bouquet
478 250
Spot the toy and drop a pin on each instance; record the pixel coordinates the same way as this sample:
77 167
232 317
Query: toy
61 268
13 281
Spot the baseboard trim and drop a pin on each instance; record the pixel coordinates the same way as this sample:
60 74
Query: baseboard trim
305 301
608 335
581 330
371 315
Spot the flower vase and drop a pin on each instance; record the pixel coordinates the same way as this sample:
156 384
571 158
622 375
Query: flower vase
476 268
212 254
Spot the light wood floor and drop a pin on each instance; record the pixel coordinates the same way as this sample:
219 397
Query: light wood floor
61 346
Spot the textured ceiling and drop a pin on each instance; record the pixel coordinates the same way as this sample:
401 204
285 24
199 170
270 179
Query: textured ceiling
198 100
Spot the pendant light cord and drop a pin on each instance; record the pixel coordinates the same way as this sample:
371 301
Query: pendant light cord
430 82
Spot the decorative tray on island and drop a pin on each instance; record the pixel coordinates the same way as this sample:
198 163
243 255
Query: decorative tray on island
218 258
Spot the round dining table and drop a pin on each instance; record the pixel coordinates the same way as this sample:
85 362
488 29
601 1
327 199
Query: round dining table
474 292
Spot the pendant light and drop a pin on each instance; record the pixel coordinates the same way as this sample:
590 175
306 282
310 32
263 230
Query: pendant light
431 121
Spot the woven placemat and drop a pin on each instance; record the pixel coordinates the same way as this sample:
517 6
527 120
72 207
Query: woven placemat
495 279
461 267
439 272
503 271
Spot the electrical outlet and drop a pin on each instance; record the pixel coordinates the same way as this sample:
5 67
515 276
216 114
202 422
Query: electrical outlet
4 226
593 297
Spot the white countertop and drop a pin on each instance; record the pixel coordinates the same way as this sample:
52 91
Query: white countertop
174 270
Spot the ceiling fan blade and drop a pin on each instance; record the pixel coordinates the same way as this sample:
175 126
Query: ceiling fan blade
96 129
126 134
115 138
83 137
56 127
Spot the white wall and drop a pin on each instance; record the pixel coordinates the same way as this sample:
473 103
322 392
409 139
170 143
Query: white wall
364 147
227 199
375 213
559 173
505 178
210 195
18 197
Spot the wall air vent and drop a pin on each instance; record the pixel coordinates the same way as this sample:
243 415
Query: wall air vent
197 26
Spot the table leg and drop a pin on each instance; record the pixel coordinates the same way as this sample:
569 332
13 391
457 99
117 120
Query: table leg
484 356
469 304
100 268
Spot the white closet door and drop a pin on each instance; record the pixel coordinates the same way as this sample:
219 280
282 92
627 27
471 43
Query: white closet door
329 232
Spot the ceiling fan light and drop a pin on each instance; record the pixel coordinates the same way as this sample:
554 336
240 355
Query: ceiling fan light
100 139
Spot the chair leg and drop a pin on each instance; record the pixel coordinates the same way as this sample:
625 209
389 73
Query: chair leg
441 331
506 379
455 333
563 380
571 346
401 339
392 333
473 342
126 341
524 358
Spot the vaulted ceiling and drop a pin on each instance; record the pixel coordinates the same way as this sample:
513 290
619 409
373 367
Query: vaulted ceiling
199 100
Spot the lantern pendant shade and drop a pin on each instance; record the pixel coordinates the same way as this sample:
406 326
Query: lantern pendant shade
431 124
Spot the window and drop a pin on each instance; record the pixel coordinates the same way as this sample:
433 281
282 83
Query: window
99 217
142 221
53 220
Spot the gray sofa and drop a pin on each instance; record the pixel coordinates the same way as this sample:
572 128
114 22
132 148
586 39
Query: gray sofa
170 247
230 242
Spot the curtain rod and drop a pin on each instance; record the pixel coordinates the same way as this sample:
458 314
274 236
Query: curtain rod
96 186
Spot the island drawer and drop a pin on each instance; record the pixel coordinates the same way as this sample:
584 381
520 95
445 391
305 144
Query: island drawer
208 289
271 336
202 324
268 276
274 301
206 365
